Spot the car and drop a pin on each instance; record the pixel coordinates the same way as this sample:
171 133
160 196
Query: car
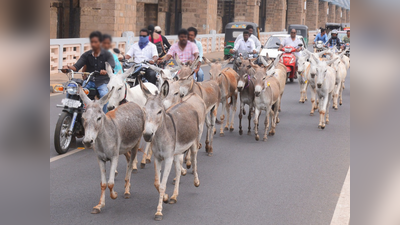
271 48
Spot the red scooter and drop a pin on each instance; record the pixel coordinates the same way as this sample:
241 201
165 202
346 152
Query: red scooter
289 60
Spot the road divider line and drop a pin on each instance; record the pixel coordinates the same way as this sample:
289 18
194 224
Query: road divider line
341 216
55 158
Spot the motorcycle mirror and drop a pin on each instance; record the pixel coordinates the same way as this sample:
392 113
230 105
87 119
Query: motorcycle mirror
116 50
228 46
277 43
300 45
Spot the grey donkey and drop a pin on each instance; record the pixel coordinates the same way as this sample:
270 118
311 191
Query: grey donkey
110 135
171 133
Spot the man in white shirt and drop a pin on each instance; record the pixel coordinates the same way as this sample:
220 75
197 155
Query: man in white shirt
244 45
144 50
293 41
257 42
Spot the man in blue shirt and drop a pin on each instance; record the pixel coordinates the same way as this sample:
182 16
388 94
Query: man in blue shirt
321 36
198 72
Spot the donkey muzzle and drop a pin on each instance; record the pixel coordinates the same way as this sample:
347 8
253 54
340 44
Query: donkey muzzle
312 75
148 137
319 85
257 93
87 143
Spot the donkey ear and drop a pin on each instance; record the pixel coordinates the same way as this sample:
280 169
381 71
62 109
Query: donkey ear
109 70
164 89
276 61
106 97
271 71
128 72
331 61
224 63
86 100
207 61
178 61
146 91
315 58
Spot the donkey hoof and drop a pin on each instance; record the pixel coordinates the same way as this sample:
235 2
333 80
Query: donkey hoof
166 198
172 201
340 103
306 99
127 195
231 129
134 171
279 110
271 133
265 139
183 172
142 165
95 211
200 145
322 127
114 196
197 184
210 154
257 137
303 102
336 108
116 173
327 122
148 161
226 128
188 165
311 114
240 132
173 182
158 217
319 126
221 134
248 132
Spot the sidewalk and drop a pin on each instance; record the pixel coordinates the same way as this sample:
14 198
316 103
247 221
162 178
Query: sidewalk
59 78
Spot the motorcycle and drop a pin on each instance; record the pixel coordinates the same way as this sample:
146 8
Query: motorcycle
319 46
131 79
238 54
289 60
69 124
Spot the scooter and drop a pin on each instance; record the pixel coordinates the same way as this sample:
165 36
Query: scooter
69 124
289 60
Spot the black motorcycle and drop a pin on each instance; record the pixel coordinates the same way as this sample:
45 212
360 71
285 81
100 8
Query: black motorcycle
70 125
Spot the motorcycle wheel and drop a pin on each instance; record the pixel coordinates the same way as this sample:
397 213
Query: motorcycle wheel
62 142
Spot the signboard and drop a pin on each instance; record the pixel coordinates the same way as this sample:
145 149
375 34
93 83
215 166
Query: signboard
239 26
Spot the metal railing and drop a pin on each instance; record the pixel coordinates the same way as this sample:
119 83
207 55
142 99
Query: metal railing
67 51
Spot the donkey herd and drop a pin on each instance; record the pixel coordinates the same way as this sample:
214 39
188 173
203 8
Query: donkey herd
171 117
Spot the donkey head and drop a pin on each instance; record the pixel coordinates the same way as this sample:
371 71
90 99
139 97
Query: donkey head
259 81
216 68
170 93
244 76
93 117
185 86
118 83
155 112
321 69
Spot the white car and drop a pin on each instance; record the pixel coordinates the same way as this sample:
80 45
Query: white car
271 48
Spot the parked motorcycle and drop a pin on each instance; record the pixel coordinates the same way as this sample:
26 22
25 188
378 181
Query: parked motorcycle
70 125
289 60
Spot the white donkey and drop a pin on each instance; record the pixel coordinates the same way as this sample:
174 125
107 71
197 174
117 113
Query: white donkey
303 72
325 80
115 133
123 94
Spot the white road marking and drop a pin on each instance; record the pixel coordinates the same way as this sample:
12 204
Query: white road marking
341 216
52 159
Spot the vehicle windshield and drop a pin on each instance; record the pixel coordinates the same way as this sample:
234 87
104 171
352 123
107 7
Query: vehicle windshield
271 42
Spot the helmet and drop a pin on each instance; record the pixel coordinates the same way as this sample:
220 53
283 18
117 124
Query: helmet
334 31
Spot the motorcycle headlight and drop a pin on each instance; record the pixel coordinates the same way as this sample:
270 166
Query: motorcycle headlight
72 88
288 50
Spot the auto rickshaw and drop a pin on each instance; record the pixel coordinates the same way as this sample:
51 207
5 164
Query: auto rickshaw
301 30
232 30
345 26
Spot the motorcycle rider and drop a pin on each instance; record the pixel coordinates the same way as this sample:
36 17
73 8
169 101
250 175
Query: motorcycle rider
186 50
198 72
244 45
106 44
144 50
293 41
321 36
346 39
95 60
334 40
166 43
257 42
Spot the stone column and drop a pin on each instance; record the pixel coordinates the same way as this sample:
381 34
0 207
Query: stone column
276 15
332 13
338 10
347 16
343 15
322 14
200 14
54 5
163 6
296 12
312 14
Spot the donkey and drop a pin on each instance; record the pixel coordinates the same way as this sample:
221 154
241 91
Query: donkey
210 93
325 80
171 133
124 94
246 88
227 81
267 97
302 74
115 133
341 74
278 70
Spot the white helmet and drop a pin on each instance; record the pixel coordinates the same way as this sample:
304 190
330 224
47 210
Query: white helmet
334 31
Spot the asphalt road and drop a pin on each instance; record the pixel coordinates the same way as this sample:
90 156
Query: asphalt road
293 178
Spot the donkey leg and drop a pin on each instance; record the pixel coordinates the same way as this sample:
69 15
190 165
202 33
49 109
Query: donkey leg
128 174
163 196
211 131
322 111
228 111
240 117
134 165
257 113
249 118
327 111
188 160
275 114
146 149
148 159
177 179
114 163
194 160
266 122
223 109
208 124
103 186
313 104
341 93
234 101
